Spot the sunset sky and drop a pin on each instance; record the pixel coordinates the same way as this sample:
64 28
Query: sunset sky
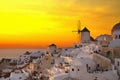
38 23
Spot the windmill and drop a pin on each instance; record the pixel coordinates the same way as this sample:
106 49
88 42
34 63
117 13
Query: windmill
78 31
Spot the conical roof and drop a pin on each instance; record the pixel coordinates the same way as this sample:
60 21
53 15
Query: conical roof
85 30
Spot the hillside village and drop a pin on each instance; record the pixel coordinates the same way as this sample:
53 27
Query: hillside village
92 59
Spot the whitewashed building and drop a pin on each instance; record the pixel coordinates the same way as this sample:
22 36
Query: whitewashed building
52 48
104 40
116 36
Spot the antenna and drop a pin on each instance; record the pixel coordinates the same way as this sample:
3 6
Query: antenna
78 30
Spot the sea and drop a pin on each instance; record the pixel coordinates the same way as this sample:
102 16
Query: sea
14 53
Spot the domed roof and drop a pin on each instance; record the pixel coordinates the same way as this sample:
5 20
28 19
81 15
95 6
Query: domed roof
116 27
52 45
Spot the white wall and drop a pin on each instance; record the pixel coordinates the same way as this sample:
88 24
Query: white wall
52 49
85 37
61 76
117 64
116 33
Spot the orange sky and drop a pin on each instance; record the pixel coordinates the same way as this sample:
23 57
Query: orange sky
38 23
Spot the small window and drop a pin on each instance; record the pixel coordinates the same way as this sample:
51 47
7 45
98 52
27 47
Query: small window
89 68
38 67
118 63
46 58
80 45
99 50
40 72
119 36
78 70
87 65
72 69
98 65
116 37
75 46
52 63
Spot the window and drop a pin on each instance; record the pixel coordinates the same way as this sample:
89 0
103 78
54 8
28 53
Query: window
98 65
89 68
119 36
72 69
53 61
46 58
75 46
118 63
38 67
116 37
99 50
78 70
87 65
80 45
108 54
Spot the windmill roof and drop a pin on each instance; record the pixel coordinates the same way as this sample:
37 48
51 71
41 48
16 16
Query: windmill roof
85 30
52 45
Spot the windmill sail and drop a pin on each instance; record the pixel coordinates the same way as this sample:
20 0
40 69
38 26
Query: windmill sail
78 30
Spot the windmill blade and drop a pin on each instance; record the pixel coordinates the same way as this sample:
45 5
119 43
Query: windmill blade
79 25
78 31
79 37
74 31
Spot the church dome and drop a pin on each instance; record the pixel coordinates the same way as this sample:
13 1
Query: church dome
116 27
